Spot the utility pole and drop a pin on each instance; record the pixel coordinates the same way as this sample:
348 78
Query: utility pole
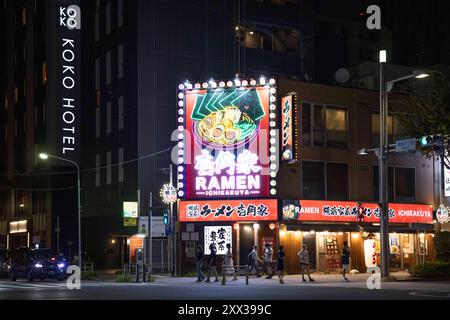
383 168
58 230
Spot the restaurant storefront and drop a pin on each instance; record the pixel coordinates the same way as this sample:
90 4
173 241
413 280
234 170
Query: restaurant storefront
324 225
242 223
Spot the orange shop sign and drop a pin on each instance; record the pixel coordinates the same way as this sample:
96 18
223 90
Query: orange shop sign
228 210
347 211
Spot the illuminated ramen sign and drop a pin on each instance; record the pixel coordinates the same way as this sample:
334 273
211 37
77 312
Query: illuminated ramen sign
227 139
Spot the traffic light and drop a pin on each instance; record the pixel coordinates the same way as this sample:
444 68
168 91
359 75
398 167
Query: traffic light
435 141
166 217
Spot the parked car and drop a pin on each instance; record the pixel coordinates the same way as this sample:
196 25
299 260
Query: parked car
4 263
34 263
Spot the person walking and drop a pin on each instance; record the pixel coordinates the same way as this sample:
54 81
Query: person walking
212 263
199 263
345 259
253 261
228 265
304 262
280 263
268 257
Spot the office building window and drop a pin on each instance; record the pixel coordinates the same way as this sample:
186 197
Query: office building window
108 67
337 181
97 74
325 180
401 184
318 126
120 166
120 61
306 124
120 113
336 128
376 130
324 126
108 118
313 174
108 18
44 72
108 167
97 122
97 170
97 26
119 13
405 185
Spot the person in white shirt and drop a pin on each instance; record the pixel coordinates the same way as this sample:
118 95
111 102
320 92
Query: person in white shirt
228 264
268 257
304 262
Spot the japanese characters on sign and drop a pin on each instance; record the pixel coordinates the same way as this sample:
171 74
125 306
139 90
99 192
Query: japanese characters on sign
341 211
289 128
446 181
219 236
228 145
168 194
231 210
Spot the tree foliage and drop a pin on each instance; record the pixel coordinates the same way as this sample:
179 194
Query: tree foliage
425 109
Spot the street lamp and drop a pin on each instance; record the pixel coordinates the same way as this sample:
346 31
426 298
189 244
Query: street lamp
385 88
45 156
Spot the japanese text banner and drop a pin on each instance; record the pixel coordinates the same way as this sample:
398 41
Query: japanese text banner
228 210
346 211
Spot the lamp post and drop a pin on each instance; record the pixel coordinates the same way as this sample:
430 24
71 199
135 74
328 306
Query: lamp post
385 87
45 156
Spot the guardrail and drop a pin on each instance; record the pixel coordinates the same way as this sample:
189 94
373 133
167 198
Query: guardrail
87 267
235 270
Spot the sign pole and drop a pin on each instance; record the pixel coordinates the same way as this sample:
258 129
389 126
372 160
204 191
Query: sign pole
172 227
150 262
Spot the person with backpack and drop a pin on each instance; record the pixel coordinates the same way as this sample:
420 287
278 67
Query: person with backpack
212 263
304 262
345 259
253 261
199 263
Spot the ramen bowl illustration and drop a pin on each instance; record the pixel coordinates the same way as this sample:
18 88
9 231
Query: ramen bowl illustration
290 212
228 127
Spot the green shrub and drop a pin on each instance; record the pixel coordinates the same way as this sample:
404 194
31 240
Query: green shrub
124 278
442 245
436 269
89 275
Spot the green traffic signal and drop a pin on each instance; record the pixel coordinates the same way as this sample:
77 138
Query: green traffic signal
423 141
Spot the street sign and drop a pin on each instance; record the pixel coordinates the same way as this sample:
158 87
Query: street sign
143 226
406 145
129 222
158 227
130 209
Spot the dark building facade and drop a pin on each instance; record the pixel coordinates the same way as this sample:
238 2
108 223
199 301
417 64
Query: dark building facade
135 54
33 195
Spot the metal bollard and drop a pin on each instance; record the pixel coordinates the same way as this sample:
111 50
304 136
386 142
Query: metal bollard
223 276
246 274
137 273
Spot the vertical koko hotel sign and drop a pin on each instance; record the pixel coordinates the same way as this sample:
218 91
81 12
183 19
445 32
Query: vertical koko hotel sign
67 81
227 139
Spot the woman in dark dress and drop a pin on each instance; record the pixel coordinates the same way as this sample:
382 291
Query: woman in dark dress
280 263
